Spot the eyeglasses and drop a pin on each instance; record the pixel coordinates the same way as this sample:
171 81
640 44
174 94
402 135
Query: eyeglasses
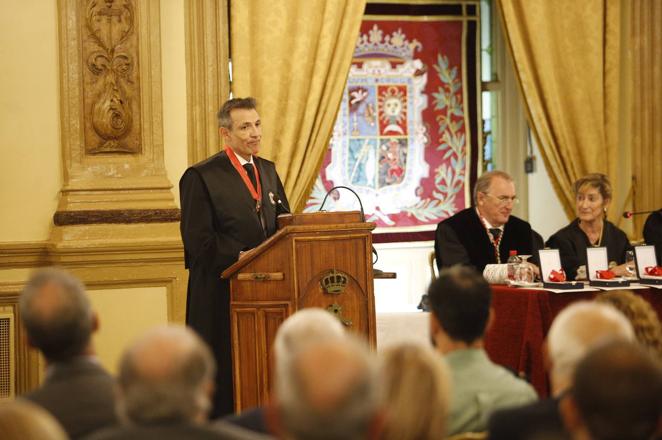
504 200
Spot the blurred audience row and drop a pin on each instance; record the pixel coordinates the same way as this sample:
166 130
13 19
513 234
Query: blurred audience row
603 358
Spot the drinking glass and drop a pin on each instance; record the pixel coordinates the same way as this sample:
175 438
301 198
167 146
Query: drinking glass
524 271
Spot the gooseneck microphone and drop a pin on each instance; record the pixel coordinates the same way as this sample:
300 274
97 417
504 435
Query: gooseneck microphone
349 189
629 214
374 251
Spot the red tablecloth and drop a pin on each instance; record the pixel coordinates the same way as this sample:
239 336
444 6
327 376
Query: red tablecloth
522 319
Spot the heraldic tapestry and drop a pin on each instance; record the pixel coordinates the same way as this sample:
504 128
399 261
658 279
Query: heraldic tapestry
406 128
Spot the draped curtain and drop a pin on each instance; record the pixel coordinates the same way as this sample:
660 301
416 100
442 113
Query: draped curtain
567 58
646 127
294 57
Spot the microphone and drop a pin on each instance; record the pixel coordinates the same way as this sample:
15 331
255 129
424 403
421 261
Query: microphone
328 193
349 189
280 206
629 214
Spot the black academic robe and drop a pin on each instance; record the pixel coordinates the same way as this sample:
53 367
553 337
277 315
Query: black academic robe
653 233
462 239
572 242
219 220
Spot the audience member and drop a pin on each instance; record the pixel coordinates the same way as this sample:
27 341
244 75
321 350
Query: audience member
642 317
575 330
59 321
329 391
416 385
307 326
460 302
485 234
617 394
590 228
22 420
165 384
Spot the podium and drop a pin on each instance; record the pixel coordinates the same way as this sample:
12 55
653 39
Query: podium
314 260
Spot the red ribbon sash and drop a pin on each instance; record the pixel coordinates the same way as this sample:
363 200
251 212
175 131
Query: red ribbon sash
255 193
557 275
605 274
654 271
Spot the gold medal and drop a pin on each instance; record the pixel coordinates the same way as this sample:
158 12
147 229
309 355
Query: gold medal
258 205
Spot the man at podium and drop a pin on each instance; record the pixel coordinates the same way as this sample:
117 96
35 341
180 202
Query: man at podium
229 205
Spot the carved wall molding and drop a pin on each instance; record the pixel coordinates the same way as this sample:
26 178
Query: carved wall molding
111 105
128 265
207 74
115 216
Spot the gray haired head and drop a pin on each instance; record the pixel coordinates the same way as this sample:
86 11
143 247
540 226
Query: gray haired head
57 314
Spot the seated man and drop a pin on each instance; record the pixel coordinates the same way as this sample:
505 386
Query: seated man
617 394
59 321
577 329
165 384
653 233
485 234
460 302
328 390
305 327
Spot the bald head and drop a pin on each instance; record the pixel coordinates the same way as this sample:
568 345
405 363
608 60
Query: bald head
307 326
57 314
167 374
328 391
578 328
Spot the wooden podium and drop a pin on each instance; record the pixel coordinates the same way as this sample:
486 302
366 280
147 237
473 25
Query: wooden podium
314 260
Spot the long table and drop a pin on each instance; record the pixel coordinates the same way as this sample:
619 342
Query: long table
522 320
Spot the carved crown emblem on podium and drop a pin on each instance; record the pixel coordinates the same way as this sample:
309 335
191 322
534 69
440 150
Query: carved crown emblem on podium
334 282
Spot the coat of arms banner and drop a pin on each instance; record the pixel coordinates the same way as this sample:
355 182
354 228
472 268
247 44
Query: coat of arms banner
408 122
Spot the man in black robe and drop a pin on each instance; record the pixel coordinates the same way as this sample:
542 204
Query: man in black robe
485 234
229 204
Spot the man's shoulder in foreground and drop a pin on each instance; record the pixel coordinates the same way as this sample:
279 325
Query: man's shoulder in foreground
480 387
534 420
80 396
214 431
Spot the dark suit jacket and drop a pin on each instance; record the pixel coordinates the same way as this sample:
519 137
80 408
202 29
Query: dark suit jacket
540 419
218 221
253 419
177 431
653 233
79 394
462 239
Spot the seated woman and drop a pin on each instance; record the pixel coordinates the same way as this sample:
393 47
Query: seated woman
590 228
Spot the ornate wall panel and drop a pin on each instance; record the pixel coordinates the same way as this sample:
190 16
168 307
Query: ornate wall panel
111 109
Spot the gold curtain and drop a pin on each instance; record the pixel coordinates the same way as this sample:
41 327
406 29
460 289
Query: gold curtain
646 34
567 58
294 57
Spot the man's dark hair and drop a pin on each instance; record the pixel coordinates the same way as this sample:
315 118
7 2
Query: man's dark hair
224 119
460 300
56 313
618 392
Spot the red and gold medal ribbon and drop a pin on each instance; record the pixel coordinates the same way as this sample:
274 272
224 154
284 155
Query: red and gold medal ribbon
495 243
605 274
557 276
255 193
655 271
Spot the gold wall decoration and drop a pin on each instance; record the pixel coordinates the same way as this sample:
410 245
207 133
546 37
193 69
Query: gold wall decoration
110 79
111 110
207 74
